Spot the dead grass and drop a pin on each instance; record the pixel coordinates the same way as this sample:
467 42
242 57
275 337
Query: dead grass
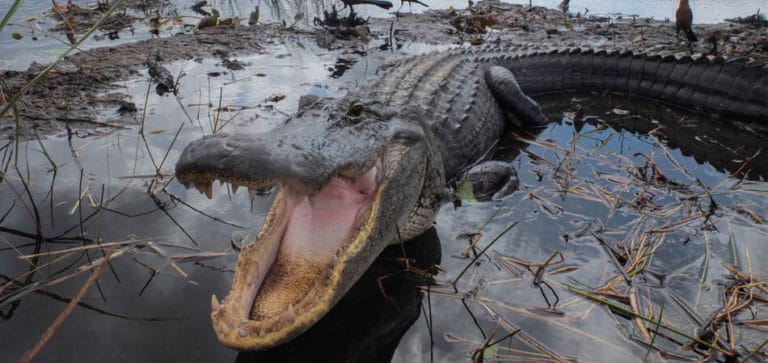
662 205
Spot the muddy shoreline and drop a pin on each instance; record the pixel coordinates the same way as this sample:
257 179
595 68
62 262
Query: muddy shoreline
83 93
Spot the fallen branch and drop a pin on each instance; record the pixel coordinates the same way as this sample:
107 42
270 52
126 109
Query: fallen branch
28 355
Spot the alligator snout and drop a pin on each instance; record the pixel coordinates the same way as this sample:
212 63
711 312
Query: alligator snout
305 155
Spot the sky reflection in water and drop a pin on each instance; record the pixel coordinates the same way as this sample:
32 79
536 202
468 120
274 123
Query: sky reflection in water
151 304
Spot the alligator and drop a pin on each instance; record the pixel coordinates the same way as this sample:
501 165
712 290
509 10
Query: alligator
371 169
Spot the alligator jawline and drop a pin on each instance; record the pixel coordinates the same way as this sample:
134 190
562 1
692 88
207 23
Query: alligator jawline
289 275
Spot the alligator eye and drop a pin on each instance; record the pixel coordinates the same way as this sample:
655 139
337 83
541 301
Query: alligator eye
355 111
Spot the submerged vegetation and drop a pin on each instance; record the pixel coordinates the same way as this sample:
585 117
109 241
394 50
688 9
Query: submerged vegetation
619 244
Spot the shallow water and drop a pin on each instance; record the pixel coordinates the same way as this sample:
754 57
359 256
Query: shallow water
152 302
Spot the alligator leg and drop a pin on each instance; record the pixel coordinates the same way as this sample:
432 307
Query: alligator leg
492 179
495 179
511 98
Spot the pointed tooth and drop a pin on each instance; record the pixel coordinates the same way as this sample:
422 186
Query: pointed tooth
204 187
252 192
334 261
312 200
290 315
208 190
215 305
200 187
262 333
266 188
223 329
235 186
242 332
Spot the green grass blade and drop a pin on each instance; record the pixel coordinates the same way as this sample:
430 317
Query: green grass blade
16 5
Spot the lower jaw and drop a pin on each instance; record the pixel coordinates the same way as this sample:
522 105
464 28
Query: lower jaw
296 291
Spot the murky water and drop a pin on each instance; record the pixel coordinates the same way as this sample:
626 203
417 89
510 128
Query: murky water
578 182
560 213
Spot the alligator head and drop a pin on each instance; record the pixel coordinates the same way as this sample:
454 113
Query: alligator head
351 179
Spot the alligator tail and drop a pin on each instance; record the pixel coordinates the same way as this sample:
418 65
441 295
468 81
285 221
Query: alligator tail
729 88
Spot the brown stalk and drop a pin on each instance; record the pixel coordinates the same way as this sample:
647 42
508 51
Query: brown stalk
30 354
520 334
546 203
81 248
502 261
669 227
636 309
86 267
473 239
746 162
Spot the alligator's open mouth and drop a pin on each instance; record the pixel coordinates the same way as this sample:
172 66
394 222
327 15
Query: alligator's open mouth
293 271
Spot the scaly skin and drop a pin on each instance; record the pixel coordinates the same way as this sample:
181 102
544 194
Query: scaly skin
387 152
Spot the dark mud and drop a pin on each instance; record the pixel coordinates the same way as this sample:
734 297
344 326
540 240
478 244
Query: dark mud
83 91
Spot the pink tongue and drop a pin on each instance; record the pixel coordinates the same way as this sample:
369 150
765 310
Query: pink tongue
317 230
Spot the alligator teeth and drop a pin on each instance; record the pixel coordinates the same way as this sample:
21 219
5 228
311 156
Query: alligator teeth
252 192
215 305
334 261
222 328
242 332
235 186
289 316
204 188
312 200
266 188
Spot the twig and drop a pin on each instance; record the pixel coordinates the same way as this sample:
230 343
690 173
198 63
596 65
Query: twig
631 313
752 353
27 357
520 334
456 280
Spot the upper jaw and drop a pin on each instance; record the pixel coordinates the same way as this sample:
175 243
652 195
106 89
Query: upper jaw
260 162
305 153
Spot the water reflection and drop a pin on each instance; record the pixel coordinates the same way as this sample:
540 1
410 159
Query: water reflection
141 306
725 144
77 192
582 191
368 323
